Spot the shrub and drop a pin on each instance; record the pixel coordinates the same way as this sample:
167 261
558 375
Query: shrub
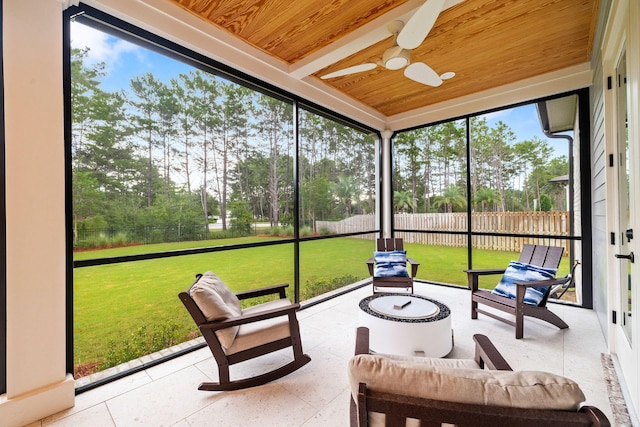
318 286
101 241
288 231
306 231
242 218
545 203
119 239
144 340
324 231
276 231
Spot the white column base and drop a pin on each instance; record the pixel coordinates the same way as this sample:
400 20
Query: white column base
33 406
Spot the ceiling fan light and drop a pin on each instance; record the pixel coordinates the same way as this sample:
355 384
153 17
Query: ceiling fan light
396 63
395 60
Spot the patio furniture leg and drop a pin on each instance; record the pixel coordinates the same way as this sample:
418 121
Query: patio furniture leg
520 291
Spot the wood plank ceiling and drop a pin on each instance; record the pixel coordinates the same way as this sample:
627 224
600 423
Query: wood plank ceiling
487 43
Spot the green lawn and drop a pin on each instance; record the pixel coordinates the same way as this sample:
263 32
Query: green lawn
111 302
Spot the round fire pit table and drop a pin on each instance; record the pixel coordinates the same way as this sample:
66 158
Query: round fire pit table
410 325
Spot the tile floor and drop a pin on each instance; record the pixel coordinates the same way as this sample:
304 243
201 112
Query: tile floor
317 394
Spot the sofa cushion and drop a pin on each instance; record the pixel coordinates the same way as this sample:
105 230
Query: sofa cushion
522 272
217 302
390 264
516 389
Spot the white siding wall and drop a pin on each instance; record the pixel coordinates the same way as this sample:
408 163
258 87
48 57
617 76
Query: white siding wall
599 197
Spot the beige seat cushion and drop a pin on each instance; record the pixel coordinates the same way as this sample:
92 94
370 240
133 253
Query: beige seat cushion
517 389
217 302
433 361
257 333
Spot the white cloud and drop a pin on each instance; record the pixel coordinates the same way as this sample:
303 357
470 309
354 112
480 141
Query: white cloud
497 115
102 47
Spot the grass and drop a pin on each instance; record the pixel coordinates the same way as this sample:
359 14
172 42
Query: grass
111 302
163 247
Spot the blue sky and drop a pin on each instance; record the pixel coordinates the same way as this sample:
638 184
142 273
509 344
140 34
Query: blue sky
524 122
125 61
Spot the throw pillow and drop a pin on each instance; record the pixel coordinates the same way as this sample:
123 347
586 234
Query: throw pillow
390 264
217 302
522 272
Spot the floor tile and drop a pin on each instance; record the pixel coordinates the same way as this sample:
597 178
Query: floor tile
95 416
268 405
335 413
319 384
104 393
163 402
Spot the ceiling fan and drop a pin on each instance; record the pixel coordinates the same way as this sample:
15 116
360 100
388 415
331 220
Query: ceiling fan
407 37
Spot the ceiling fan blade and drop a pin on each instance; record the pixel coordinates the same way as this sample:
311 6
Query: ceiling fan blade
350 70
422 73
419 25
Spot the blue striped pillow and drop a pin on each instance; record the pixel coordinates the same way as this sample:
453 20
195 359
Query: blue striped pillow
521 272
390 264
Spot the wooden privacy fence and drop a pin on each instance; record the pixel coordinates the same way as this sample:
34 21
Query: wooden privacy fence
524 223
352 224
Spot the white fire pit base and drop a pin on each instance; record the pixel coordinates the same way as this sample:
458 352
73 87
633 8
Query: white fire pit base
410 325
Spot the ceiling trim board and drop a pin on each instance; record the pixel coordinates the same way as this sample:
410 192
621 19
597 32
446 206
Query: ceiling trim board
565 80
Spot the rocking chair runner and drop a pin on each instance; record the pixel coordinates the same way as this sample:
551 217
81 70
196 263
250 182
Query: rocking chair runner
537 255
403 281
235 335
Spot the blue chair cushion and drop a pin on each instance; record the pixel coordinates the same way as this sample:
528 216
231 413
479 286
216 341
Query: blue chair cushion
390 264
522 272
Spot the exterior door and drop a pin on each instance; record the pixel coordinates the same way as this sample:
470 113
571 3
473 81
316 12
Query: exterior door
625 232
626 239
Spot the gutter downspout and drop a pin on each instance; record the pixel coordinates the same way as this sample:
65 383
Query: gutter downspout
569 139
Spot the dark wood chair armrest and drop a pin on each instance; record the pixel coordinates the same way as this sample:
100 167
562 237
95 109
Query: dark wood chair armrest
541 283
598 418
362 340
521 289
473 275
269 290
485 271
414 266
488 355
249 318
370 263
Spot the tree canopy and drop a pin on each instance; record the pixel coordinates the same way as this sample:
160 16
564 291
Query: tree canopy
198 147
430 170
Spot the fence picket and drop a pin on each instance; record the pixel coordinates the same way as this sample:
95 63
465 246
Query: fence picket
540 223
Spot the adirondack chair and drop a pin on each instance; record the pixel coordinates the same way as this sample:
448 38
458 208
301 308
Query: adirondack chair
393 391
390 254
547 257
235 334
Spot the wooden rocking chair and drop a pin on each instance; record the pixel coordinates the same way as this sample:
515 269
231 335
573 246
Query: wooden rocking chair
390 245
235 335
537 255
